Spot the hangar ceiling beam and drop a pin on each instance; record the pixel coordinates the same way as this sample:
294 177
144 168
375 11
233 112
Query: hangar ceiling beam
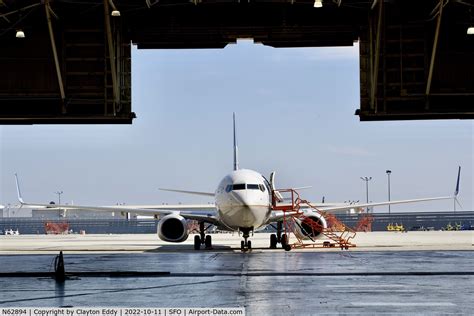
433 52
47 8
111 49
4 5
112 4
375 67
464 2
20 10
373 4
149 4
399 71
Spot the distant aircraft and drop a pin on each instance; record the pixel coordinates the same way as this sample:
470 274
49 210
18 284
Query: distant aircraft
243 203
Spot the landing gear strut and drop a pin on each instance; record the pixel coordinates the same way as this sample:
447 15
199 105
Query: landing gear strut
245 244
202 238
279 229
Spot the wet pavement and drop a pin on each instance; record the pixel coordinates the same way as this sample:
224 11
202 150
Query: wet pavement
265 283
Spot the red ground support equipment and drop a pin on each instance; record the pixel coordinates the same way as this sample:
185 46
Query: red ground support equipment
193 227
335 234
365 223
52 228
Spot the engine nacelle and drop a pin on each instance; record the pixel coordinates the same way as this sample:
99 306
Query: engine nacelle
304 227
173 228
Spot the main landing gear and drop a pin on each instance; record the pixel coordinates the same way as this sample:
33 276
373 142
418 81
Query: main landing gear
279 238
245 244
202 238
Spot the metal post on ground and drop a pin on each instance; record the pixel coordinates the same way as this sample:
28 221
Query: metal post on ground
59 270
59 196
389 172
366 179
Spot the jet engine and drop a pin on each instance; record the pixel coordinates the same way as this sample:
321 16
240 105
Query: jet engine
310 225
173 228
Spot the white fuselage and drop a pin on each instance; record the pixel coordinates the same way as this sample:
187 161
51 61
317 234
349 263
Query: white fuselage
243 200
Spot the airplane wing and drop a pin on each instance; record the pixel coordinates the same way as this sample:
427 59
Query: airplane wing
199 212
279 215
323 205
348 207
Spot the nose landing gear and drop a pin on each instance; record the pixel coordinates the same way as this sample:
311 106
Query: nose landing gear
245 244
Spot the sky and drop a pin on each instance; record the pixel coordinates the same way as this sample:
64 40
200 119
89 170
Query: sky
295 115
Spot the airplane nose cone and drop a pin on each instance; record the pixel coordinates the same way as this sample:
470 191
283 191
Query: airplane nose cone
240 198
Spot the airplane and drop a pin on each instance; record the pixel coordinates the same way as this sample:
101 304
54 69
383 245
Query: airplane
244 202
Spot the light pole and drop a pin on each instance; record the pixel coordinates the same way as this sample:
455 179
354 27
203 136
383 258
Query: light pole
388 175
366 179
59 196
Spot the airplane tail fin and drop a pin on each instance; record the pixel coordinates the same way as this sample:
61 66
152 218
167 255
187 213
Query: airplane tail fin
236 149
18 191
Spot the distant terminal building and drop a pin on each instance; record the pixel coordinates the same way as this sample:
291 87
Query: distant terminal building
56 213
34 221
116 223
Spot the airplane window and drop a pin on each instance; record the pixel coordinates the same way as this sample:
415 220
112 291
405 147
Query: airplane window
240 186
262 187
252 187
228 188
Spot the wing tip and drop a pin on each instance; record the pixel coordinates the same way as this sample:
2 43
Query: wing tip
456 191
18 191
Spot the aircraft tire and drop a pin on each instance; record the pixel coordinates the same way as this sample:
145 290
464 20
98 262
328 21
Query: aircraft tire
249 244
273 241
284 241
197 242
208 242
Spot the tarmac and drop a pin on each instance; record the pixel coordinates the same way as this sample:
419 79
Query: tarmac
371 241
387 273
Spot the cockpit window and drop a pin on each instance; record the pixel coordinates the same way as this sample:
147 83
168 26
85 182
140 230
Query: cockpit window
240 186
243 186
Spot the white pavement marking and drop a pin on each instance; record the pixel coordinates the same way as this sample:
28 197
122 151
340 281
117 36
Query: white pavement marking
358 286
401 304
365 291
